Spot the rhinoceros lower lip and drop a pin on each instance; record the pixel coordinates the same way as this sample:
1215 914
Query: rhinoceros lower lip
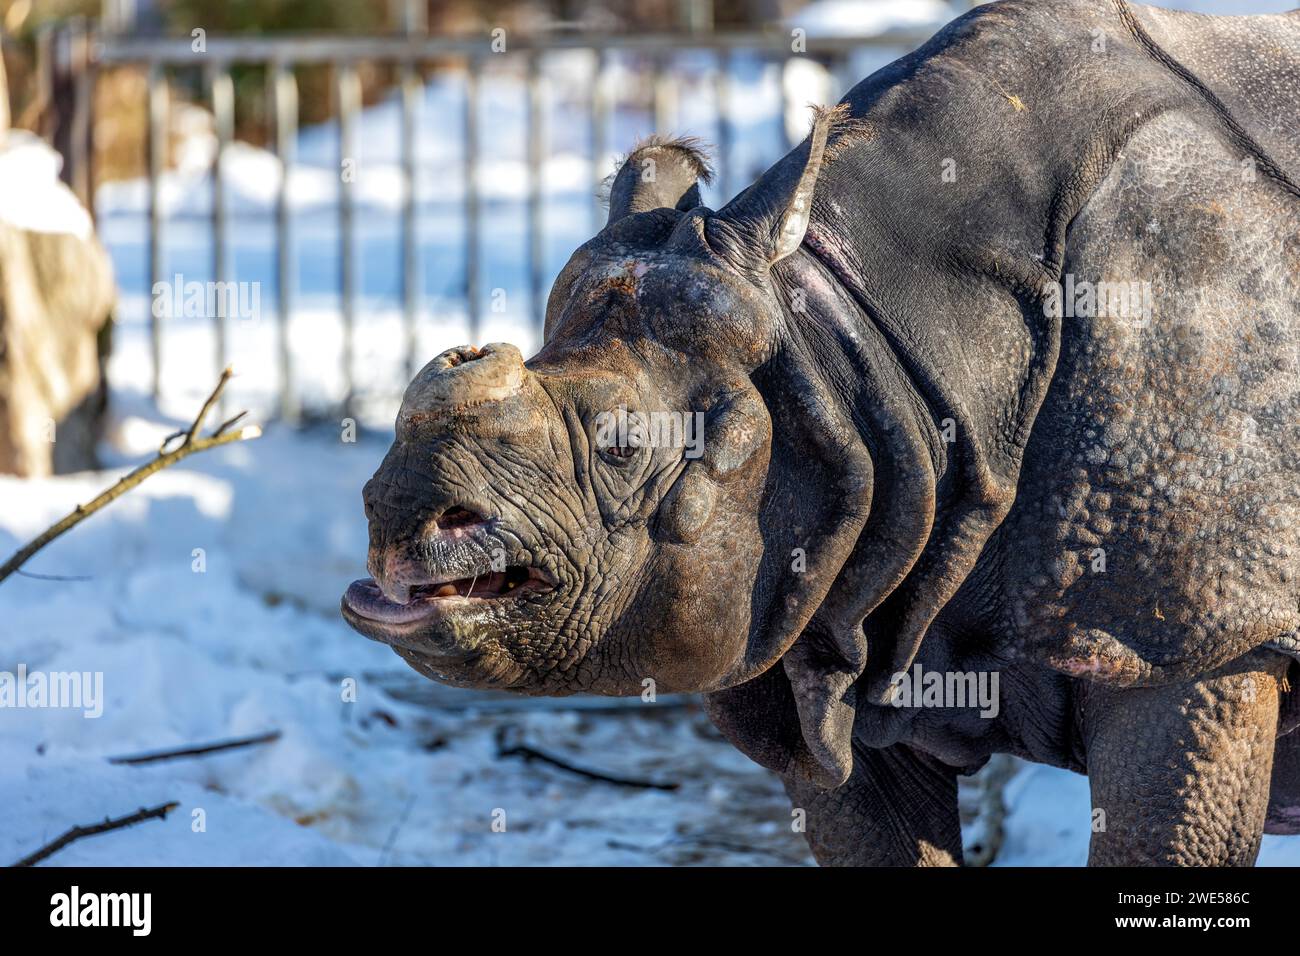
365 599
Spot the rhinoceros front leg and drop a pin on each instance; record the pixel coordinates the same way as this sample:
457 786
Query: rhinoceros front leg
1180 773
898 808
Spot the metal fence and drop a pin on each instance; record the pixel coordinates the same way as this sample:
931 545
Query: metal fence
73 55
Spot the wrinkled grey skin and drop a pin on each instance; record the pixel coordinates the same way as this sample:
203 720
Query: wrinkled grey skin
910 457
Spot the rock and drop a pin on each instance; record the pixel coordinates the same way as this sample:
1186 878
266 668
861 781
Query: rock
56 298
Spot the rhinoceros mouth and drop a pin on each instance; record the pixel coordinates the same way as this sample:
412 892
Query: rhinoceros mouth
441 595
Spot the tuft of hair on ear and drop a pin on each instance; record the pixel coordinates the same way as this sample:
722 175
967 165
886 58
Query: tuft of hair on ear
845 132
695 151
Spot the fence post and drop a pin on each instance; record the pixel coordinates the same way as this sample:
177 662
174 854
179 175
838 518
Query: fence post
600 112
536 190
472 303
284 98
722 96
412 16
665 96
696 15
67 83
118 16
412 89
222 91
157 161
349 104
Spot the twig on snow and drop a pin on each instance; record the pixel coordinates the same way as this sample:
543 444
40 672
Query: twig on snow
198 750
531 753
77 833
191 444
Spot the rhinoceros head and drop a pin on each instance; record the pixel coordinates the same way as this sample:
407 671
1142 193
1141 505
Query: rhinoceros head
618 509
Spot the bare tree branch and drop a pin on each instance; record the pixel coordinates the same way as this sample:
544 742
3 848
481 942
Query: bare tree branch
190 446
225 426
198 750
207 406
54 577
77 833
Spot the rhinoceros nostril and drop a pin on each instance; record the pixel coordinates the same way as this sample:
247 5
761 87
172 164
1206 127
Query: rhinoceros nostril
457 517
474 353
459 357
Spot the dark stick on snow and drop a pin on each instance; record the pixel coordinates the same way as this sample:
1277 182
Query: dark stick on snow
531 753
76 833
198 750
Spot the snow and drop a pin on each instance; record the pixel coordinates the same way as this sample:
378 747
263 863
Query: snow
211 601
32 197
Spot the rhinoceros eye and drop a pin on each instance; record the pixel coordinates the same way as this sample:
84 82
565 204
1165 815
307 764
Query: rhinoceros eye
619 454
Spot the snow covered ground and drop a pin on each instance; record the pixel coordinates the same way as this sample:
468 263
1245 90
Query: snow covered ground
210 604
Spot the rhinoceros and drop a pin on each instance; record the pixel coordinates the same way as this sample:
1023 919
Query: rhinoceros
971 427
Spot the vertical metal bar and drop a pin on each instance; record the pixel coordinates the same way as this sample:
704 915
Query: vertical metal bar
284 98
665 95
222 91
69 101
600 110
783 65
471 196
157 158
722 95
118 16
696 15
46 69
414 16
536 184
841 78
82 126
411 91
349 103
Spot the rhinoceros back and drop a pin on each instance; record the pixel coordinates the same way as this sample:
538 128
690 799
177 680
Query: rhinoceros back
1248 65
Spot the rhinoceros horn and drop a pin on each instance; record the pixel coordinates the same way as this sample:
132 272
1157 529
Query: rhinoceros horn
461 378
659 174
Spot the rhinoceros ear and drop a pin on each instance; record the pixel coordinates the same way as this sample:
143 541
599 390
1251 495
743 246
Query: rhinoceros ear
659 174
768 219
